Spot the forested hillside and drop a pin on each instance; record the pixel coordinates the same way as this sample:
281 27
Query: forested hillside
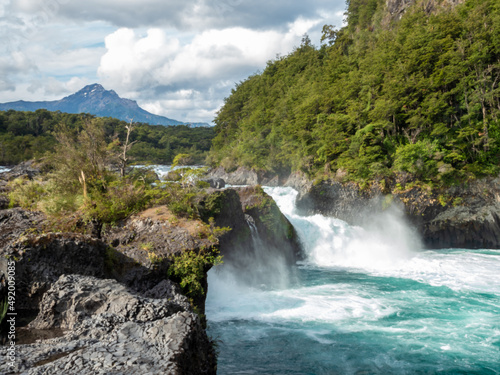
417 93
24 135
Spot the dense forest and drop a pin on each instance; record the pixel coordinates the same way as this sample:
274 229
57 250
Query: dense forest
24 135
384 95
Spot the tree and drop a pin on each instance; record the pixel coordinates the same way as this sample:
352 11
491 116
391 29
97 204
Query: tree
126 147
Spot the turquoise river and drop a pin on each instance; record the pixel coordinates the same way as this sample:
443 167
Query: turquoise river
364 301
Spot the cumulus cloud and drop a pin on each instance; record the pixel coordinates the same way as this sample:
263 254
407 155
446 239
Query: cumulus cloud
156 65
176 58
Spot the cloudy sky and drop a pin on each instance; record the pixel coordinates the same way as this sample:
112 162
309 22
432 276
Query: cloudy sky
177 58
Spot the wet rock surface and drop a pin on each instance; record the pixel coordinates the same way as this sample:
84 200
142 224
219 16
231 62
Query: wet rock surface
462 216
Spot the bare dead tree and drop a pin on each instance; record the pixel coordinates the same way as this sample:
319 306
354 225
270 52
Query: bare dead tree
126 147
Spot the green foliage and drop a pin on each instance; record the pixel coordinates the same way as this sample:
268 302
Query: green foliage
190 268
25 135
377 97
25 193
418 159
182 159
82 190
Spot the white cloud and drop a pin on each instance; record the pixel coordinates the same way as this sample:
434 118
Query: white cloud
186 15
152 66
178 59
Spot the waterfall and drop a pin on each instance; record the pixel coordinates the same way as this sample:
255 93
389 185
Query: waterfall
384 241
367 299
258 265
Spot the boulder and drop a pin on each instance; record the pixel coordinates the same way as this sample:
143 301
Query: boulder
108 329
28 169
215 183
241 176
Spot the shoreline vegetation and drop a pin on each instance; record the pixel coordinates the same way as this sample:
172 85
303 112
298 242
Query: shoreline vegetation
28 135
412 90
83 185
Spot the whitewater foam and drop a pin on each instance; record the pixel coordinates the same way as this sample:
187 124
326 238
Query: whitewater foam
368 299
387 246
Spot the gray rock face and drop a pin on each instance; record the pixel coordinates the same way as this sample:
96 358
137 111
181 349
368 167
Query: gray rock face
215 183
166 336
464 216
16 222
464 227
344 201
26 169
111 330
244 176
241 176
42 259
262 244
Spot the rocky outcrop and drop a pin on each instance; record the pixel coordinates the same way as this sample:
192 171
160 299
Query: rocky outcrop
464 227
241 176
396 8
28 169
16 222
215 183
41 259
244 176
346 201
137 255
273 227
463 216
145 244
239 209
262 244
111 330
224 207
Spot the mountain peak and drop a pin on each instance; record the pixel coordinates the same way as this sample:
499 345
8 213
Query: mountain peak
92 88
95 89
96 100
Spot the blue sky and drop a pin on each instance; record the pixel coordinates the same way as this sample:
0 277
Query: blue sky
179 59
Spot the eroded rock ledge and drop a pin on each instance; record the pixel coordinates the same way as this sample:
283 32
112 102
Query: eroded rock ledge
118 311
105 304
111 330
462 216
466 216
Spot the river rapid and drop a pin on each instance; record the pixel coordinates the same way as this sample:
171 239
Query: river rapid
363 301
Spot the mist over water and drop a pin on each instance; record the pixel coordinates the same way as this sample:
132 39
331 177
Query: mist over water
366 300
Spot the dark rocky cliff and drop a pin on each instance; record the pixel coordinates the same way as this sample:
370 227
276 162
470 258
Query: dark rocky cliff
273 244
465 216
113 308
462 216
109 305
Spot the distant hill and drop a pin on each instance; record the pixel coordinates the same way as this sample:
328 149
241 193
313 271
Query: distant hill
96 100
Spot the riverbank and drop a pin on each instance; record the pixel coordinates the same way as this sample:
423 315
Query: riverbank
128 297
465 215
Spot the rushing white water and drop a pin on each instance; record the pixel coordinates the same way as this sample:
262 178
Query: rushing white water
162 170
368 300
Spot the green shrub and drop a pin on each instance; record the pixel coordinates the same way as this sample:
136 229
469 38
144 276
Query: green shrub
417 159
25 193
189 268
